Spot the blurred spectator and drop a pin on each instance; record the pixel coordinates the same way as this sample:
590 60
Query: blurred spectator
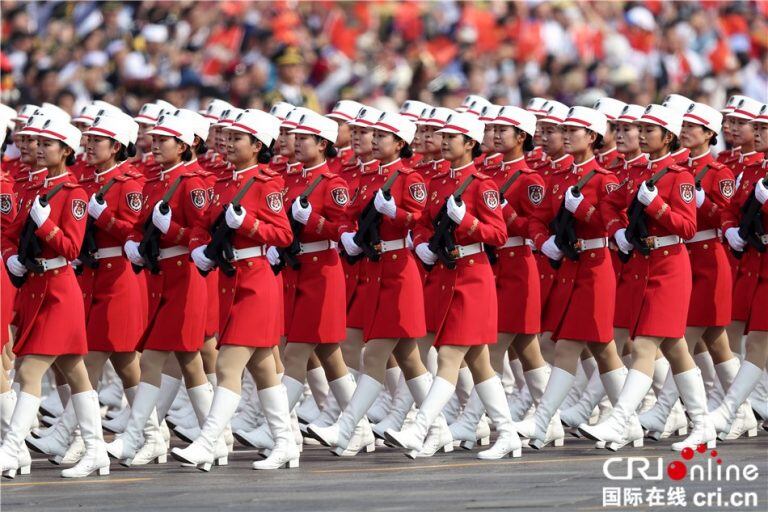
313 53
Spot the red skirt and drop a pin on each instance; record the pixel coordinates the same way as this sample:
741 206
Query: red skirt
250 306
7 297
212 311
466 308
110 291
431 285
745 284
547 277
50 315
393 297
712 285
177 307
355 297
581 304
661 293
758 311
622 315
288 276
319 305
518 291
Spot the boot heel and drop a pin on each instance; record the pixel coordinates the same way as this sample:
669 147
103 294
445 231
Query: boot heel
370 448
205 466
292 464
516 453
614 447
484 441
682 431
56 460
9 473
653 435
637 443
600 445
126 462
222 461
161 459
711 444
559 441
467 445
25 470
448 448
752 432
104 471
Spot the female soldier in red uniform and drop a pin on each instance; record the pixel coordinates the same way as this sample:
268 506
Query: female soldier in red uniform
176 320
50 316
250 310
752 181
390 287
585 287
663 285
111 288
466 312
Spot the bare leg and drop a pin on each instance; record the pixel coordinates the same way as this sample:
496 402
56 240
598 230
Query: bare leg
352 348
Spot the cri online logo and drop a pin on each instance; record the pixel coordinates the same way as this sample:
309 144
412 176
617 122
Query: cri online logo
709 467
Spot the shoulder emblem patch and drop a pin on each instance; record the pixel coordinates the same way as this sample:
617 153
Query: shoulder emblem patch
134 201
535 194
418 192
340 195
78 208
686 192
727 188
275 201
198 196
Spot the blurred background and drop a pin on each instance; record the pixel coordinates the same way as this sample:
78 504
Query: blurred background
380 52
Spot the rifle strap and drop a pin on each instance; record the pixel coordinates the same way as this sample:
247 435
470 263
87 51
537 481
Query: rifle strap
463 187
241 193
171 190
583 181
656 177
700 175
312 186
55 190
508 184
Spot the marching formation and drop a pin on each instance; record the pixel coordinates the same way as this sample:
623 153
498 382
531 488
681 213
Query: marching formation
365 278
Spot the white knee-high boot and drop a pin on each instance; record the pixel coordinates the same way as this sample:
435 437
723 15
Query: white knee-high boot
86 406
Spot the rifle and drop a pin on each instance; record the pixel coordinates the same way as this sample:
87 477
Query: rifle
30 246
441 242
219 249
288 254
489 249
637 229
149 248
88 249
751 225
367 236
562 225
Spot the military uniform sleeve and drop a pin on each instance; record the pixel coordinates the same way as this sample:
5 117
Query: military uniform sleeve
192 214
334 222
678 216
269 223
66 237
718 197
412 201
120 219
486 224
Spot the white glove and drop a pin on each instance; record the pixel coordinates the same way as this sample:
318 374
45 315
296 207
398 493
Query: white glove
272 255
761 192
349 244
456 212
76 262
504 203
300 213
95 209
700 197
233 219
571 201
646 195
621 240
38 212
131 249
409 241
425 255
15 267
734 240
161 222
200 259
384 207
551 250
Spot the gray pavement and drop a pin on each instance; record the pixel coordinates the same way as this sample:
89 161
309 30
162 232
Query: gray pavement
569 478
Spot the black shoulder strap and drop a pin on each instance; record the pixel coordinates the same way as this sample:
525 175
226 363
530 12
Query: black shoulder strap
700 175
583 181
507 184
656 177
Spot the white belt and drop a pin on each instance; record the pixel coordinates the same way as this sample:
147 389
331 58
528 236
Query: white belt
517 241
657 242
469 250
53 263
322 245
392 245
108 252
172 252
591 243
249 252
707 234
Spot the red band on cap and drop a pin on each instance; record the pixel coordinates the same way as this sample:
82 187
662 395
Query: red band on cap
246 128
153 119
211 116
342 114
360 120
387 127
627 118
577 120
739 111
434 120
49 132
470 111
696 118
289 124
308 128
409 115
166 129
102 130
82 116
454 127
553 118
508 120
654 118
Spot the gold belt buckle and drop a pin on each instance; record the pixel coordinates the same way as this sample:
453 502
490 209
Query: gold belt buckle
579 245
650 242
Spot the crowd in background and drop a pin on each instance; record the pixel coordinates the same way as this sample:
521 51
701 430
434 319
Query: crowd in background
380 52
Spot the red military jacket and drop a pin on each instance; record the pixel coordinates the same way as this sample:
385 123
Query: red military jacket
357 181
590 216
329 200
294 182
408 190
610 160
188 205
344 157
548 167
265 221
62 233
731 215
523 197
483 221
537 154
7 200
673 212
680 156
728 156
23 184
210 178
492 161
719 187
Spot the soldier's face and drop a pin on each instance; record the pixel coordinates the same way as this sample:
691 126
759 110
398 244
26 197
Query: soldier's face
362 141
285 143
417 145
99 149
537 135
652 138
693 135
610 134
742 131
28 149
240 147
505 138
627 137
343 138
433 141
221 141
50 153
384 146
761 137
167 150
727 136
144 141
551 138
308 148
576 139
488 143
454 147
